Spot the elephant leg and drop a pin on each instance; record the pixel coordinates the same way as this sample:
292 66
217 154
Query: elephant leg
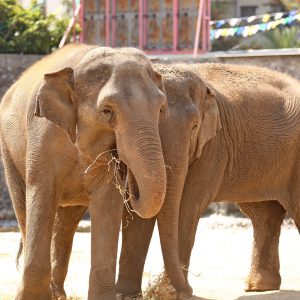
41 204
266 218
188 222
106 208
65 225
136 236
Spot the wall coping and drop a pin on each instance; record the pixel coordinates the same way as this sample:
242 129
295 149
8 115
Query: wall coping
228 54
208 55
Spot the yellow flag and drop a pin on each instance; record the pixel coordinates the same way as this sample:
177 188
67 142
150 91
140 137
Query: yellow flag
266 18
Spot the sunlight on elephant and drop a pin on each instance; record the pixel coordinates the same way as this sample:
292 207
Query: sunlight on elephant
232 135
60 125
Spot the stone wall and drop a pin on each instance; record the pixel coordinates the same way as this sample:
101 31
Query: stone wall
288 61
289 64
283 60
11 66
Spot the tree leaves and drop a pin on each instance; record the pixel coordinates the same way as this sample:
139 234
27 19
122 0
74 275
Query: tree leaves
28 30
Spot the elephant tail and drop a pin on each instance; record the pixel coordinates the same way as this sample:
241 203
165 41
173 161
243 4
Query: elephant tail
19 253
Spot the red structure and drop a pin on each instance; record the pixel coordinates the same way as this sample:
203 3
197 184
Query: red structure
156 26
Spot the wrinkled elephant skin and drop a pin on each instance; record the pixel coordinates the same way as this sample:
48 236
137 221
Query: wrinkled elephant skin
232 134
60 125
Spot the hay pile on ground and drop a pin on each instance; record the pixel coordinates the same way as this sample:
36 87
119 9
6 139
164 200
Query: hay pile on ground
160 288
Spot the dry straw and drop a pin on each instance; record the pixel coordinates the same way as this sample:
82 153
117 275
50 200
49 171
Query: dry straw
160 289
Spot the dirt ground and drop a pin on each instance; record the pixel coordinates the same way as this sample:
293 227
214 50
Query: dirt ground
219 264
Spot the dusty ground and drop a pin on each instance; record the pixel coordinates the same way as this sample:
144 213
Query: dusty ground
220 262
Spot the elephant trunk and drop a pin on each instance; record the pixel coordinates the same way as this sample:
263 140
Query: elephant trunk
176 158
168 232
140 149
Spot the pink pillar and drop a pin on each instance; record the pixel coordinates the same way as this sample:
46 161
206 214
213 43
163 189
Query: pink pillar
107 22
113 24
81 20
175 24
74 30
198 29
145 25
141 12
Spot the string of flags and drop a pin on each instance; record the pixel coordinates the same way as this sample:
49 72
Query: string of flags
263 23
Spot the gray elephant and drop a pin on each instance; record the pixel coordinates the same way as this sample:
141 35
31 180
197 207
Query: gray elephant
232 134
58 125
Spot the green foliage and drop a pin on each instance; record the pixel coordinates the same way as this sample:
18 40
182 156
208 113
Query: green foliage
274 39
28 30
284 38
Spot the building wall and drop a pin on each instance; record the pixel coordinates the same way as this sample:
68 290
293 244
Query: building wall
224 9
158 20
262 6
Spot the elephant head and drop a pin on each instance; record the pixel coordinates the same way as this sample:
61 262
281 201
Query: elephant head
193 121
112 98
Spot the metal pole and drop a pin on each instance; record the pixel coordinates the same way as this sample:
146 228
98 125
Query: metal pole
197 35
175 24
69 28
107 22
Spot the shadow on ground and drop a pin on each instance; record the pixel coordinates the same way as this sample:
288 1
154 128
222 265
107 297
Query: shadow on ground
282 295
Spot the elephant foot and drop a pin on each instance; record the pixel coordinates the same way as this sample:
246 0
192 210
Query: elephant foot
266 281
135 297
103 296
162 288
24 294
127 288
187 293
58 292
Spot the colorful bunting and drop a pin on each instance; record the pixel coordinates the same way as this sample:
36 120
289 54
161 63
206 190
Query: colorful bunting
249 30
266 18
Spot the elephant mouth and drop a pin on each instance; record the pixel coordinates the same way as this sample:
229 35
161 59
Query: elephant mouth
97 172
132 188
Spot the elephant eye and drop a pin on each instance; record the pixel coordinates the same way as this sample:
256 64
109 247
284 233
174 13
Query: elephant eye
195 127
106 111
106 115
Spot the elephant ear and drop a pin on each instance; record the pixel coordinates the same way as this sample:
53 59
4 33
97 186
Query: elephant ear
158 81
211 122
55 101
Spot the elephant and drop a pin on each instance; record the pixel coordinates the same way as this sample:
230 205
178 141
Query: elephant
60 125
232 134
